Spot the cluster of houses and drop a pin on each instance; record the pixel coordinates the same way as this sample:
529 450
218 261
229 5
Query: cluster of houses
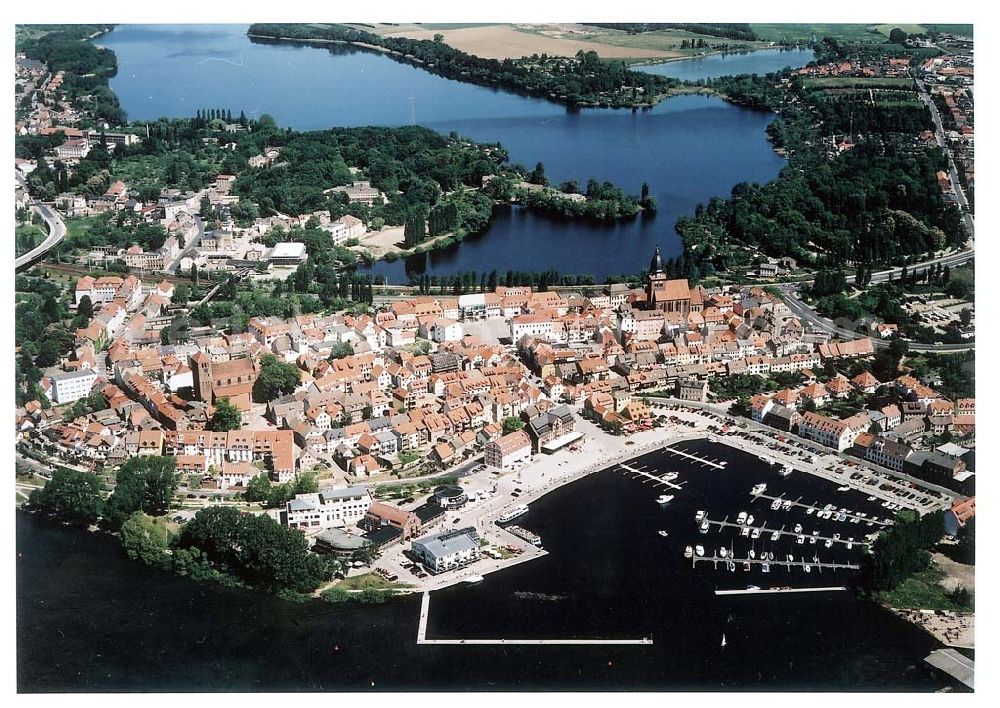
897 416
43 92
889 67
951 83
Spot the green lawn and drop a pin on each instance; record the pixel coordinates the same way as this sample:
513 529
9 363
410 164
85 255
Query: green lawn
369 581
807 32
909 29
923 591
819 82
666 40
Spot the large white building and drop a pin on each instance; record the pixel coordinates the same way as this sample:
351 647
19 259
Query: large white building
510 450
446 550
73 385
327 508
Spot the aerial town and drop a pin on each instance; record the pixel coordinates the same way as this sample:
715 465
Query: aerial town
172 328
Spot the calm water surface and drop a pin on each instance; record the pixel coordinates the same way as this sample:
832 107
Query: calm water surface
688 149
88 620
764 61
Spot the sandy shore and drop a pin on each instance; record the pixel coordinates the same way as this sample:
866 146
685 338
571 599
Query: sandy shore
952 629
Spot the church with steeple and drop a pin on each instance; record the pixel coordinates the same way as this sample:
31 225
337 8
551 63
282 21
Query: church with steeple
666 295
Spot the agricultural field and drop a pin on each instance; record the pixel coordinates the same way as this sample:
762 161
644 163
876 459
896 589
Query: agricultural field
805 32
828 82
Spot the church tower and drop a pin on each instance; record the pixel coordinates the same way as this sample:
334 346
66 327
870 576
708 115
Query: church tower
656 279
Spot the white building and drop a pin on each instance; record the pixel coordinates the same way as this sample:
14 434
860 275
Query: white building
449 549
71 386
328 508
445 330
507 452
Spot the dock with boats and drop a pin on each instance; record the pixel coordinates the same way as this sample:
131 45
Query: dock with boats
639 472
776 562
769 532
789 503
771 591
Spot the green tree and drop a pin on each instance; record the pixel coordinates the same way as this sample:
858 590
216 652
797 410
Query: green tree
146 484
145 541
225 417
897 35
277 378
511 424
70 496
258 489
85 310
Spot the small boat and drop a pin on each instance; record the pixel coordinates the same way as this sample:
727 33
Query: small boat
753 554
472 579
758 488
855 520
812 540
723 552
704 526
723 639
670 476
664 498
745 531
750 520
765 568
808 568
753 588
790 558
786 505
845 488
871 498
809 511
741 518
746 566
850 543
836 537
775 505
699 516
776 535
688 552
755 533
770 555
731 566
829 543
662 533
786 470
800 540
798 528
699 551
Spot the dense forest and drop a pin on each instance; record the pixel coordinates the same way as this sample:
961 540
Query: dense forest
577 81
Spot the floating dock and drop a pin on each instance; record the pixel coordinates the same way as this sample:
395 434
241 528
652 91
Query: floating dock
771 591
797 503
787 564
701 460
649 476
425 604
765 530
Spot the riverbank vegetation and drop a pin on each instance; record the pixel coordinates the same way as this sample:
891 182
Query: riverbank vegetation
582 80
901 551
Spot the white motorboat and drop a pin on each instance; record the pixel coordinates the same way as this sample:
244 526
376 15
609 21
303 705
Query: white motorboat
699 550
664 498
699 516
765 568
829 543
790 558
871 498
741 519
663 533
670 476
688 552
845 488
809 511
836 537
704 526
798 528
812 540
723 639
750 520
776 535
472 579
758 488
786 505
753 554
786 470
745 531
808 568
723 552
800 540
775 505
755 533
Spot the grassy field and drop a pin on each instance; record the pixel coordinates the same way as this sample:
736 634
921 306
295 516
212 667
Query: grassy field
667 41
75 228
795 32
369 581
909 29
823 82
923 591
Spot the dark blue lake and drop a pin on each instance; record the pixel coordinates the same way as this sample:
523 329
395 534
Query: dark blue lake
763 61
89 620
688 149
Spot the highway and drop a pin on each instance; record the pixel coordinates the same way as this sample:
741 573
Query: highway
57 231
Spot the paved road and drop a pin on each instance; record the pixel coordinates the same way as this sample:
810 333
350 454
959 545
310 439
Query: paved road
57 231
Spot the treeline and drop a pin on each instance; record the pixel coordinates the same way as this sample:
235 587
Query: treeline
605 202
466 282
581 80
735 30
87 67
901 550
42 333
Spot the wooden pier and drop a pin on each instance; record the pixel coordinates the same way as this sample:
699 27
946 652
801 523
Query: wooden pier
783 562
649 477
798 503
764 530
701 460
425 603
772 591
